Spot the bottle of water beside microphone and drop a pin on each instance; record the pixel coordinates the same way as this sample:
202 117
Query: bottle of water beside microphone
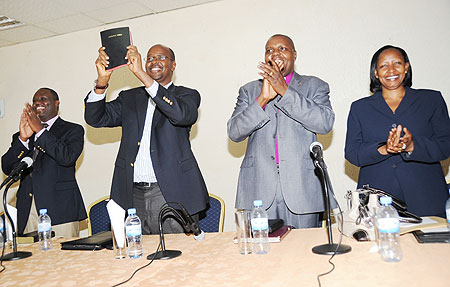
388 225
44 230
133 232
260 228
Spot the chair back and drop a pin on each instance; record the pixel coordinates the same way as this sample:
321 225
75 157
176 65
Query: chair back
213 222
98 218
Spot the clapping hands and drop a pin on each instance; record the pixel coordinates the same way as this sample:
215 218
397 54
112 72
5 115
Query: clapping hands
397 143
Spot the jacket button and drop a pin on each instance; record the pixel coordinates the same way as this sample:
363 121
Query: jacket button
131 164
394 166
139 143
30 194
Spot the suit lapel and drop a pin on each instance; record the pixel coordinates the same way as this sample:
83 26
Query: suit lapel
296 81
157 114
378 103
408 100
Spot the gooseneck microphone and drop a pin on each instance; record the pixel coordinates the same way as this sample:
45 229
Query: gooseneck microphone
188 223
192 225
316 149
10 180
25 163
328 248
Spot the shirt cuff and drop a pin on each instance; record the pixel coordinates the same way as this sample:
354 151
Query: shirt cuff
153 89
93 97
25 144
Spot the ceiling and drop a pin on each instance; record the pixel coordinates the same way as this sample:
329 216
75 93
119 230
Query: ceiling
48 18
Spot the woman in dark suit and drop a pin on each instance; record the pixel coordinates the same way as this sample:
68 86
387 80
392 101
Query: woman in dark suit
399 135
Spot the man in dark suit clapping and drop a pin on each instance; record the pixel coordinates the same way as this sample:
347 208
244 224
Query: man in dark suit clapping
55 145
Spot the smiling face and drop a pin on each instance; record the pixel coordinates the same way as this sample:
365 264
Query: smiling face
391 69
45 105
160 70
281 51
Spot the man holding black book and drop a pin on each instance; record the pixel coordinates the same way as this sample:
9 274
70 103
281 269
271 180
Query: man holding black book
155 163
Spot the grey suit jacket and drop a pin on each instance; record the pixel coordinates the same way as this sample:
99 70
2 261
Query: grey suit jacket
303 111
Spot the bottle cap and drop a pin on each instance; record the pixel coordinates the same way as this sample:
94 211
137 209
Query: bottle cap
131 211
257 203
386 200
42 211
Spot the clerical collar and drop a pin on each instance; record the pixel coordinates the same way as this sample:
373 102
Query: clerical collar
288 78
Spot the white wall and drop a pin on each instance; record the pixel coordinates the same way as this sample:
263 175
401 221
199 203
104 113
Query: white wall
218 46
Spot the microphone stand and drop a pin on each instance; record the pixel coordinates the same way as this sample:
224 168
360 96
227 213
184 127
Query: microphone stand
166 254
15 255
329 248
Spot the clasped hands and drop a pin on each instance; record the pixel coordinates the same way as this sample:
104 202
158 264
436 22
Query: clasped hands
397 143
29 123
273 82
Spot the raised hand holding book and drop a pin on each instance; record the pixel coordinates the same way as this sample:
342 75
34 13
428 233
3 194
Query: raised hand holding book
116 41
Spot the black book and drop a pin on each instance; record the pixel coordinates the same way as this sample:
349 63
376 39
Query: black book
116 42
94 242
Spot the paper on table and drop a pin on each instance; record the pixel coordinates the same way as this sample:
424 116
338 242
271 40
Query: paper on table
13 213
427 222
117 216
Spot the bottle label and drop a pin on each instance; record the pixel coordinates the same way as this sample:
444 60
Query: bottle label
260 224
133 230
388 225
44 226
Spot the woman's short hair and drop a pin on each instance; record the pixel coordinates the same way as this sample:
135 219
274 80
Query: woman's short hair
375 84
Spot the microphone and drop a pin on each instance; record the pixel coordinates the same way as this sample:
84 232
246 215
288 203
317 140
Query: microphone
193 226
316 150
25 163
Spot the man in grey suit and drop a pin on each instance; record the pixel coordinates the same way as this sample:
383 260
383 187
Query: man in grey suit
281 115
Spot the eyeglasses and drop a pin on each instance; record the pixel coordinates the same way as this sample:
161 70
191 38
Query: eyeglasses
157 58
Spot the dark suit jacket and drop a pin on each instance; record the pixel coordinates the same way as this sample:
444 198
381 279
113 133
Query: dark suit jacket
175 167
53 180
421 182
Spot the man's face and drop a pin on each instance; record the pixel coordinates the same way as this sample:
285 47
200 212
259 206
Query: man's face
158 69
280 52
45 105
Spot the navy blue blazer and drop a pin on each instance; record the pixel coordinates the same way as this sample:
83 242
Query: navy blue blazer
175 166
417 178
53 182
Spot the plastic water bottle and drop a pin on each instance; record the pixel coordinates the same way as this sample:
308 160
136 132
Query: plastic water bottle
447 211
44 230
388 225
133 231
260 228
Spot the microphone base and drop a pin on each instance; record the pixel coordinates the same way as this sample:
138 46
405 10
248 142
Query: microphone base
330 249
15 255
164 255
